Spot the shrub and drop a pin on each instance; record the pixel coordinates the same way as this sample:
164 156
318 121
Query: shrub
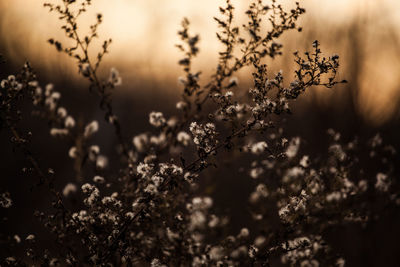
154 214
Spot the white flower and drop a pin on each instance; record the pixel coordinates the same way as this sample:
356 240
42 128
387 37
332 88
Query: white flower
204 136
157 263
62 112
181 105
98 179
292 173
253 251
258 148
229 94
170 169
10 260
17 239
92 192
140 142
3 83
382 182
202 203
5 200
334 196
293 147
73 152
94 152
244 233
30 237
239 252
115 78
49 88
144 169
259 241
69 122
197 220
69 189
183 138
216 253
262 190
157 180
58 132
101 162
305 161
151 189
55 95
256 172
156 119
85 69
340 262
337 150
363 185
91 128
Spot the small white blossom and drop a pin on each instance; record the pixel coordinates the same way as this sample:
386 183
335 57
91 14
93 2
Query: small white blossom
69 122
92 192
216 253
258 148
183 138
69 189
73 152
62 112
10 260
85 69
30 237
157 180
144 169
156 119
293 147
334 196
48 89
115 79
363 185
94 152
256 172
91 128
58 132
253 251
244 233
98 179
5 200
151 189
259 241
157 263
140 142
305 161
382 182
204 136
17 239
181 105
101 162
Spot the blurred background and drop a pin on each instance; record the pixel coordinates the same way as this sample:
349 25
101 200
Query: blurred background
365 33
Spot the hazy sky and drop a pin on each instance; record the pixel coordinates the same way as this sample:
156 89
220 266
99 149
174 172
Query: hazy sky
144 34
148 27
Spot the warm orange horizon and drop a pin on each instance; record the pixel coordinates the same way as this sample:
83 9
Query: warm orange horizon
144 34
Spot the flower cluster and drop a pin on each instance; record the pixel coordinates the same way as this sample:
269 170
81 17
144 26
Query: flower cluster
204 136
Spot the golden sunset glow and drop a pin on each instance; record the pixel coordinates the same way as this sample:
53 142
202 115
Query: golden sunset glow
144 35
